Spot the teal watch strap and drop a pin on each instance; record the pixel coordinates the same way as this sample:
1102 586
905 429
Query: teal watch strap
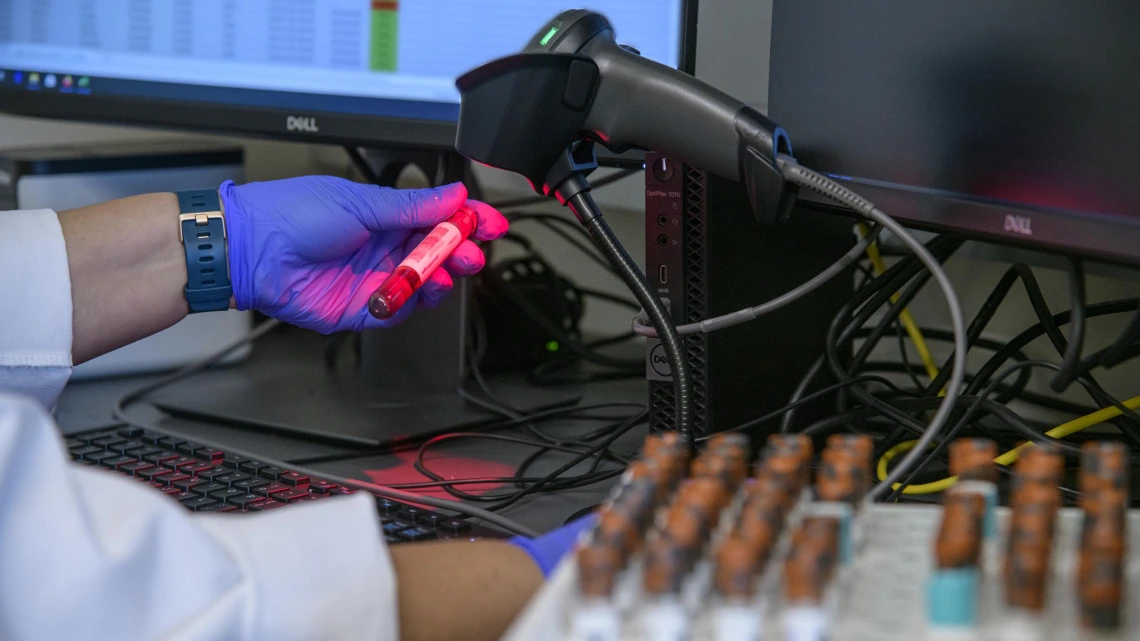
202 230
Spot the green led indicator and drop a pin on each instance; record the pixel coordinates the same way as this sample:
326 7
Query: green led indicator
552 346
550 34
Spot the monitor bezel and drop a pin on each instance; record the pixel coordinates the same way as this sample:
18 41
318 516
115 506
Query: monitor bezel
335 129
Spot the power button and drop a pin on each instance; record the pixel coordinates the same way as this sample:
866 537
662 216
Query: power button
663 169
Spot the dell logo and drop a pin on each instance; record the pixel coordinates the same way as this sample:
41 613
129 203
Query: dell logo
1019 225
299 123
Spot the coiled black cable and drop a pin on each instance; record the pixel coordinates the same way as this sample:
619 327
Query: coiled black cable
584 207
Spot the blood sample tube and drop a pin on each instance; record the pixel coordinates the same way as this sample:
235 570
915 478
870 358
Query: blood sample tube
665 565
807 572
1100 564
952 590
597 617
719 469
1026 576
861 446
737 566
421 263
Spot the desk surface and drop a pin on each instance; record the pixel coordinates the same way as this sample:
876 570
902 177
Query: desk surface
298 354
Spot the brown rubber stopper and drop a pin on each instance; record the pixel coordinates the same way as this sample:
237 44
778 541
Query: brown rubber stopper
598 566
1026 576
972 459
618 530
1042 462
708 493
718 469
840 479
665 566
737 564
687 526
1104 466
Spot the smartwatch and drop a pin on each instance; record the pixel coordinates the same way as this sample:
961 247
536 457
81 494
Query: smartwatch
202 230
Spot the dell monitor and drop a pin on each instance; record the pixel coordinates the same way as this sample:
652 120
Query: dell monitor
1014 121
370 73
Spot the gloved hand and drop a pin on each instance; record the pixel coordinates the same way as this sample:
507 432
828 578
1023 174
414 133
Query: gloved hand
310 251
548 549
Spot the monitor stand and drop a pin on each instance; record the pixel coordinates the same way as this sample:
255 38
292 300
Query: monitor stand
405 388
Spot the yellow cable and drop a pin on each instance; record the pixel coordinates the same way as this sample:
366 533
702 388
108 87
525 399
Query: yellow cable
1061 431
916 337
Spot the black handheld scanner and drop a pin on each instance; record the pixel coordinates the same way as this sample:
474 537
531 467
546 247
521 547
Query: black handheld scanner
574 83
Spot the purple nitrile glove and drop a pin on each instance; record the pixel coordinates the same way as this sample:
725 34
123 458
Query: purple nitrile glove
310 251
548 549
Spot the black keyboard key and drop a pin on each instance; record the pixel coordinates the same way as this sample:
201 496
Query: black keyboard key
217 507
226 494
116 463
198 502
293 478
210 454
148 451
74 443
99 457
252 484
208 488
252 467
170 442
321 487
171 491
245 500
292 496
454 526
181 462
86 450
134 468
231 478
271 489
266 505
188 484
393 527
272 472
130 432
108 440
170 477
412 514
149 474
416 534
151 437
431 520
161 457
340 489
127 447
214 473
388 507
233 460
198 468
182 496
188 448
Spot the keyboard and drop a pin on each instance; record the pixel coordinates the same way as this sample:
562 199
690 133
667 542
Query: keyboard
205 479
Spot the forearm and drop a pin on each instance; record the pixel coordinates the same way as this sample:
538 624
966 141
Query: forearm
467 591
128 270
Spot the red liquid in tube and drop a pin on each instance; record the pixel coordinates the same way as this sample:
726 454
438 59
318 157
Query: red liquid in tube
421 263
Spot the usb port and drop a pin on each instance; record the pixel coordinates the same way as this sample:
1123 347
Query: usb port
663 273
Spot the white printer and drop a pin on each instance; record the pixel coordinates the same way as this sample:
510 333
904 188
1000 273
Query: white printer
62 178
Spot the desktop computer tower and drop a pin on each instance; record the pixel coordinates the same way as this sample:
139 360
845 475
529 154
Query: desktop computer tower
706 255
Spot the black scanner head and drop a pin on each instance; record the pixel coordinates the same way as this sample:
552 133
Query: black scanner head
538 112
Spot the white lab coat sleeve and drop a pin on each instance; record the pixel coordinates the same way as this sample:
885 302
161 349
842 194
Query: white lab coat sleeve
35 305
89 554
